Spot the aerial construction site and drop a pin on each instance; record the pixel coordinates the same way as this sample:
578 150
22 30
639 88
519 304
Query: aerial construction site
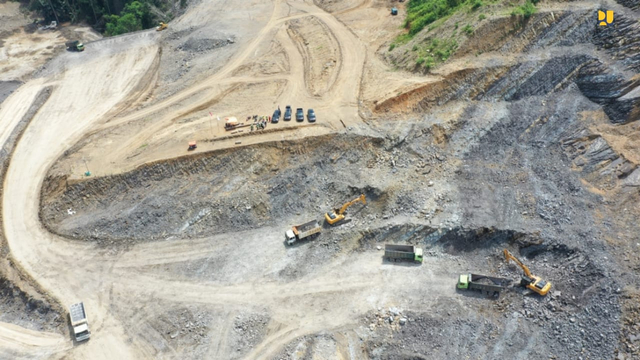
297 179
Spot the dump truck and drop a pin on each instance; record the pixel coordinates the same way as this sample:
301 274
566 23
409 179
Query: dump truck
403 252
299 232
74 45
486 284
78 318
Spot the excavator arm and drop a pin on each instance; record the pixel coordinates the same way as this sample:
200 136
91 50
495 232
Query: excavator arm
508 257
531 281
337 215
345 206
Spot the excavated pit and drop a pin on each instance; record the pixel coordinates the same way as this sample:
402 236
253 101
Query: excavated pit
225 191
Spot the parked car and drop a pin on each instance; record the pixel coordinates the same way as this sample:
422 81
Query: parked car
311 115
287 113
299 114
276 116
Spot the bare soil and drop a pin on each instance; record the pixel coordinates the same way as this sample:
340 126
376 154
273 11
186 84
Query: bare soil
526 139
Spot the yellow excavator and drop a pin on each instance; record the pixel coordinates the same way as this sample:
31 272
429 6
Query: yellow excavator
529 280
337 215
161 26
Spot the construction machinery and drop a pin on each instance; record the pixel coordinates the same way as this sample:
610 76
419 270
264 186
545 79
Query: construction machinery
299 232
528 280
337 215
403 252
78 318
192 145
74 45
232 123
162 26
486 284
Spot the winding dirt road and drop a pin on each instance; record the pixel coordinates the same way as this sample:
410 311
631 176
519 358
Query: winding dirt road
85 91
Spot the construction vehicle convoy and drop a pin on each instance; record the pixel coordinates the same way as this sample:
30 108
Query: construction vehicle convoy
337 215
530 281
78 318
74 45
486 284
162 26
299 232
403 252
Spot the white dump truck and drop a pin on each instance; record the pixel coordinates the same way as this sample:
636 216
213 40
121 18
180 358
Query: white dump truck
299 232
78 318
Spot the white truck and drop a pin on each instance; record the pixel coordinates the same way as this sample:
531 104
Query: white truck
299 232
78 318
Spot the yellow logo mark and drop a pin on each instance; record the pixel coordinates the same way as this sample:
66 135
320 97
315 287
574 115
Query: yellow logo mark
601 17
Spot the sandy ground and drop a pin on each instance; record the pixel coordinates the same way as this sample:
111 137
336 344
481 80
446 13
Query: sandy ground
83 101
107 114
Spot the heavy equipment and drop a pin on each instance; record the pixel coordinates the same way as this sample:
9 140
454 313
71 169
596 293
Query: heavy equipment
528 280
78 318
74 45
486 284
232 123
403 252
337 215
299 232
192 145
162 26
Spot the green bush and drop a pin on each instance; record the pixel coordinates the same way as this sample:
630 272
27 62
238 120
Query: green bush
420 61
476 4
414 48
468 29
525 10
482 17
392 46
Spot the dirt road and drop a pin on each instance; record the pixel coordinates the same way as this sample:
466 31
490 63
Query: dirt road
111 74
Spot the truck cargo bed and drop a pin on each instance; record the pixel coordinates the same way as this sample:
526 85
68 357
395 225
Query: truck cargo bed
76 312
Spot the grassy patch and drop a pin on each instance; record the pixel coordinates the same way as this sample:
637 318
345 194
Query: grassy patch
421 13
482 17
434 52
467 29
476 4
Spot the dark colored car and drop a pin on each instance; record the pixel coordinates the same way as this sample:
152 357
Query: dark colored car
311 115
299 114
287 113
276 116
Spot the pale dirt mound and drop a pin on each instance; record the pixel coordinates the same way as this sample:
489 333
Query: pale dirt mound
272 60
320 53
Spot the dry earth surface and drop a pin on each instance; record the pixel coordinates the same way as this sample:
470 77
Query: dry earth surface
527 138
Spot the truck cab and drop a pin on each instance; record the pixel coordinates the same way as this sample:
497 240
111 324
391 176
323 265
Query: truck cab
82 332
290 236
418 255
463 281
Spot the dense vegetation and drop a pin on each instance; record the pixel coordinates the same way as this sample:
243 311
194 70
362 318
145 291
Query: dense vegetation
421 13
113 17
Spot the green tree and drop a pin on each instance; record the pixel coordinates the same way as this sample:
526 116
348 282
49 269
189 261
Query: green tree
122 24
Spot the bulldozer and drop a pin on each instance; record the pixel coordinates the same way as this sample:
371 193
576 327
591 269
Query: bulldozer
528 280
162 26
337 215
